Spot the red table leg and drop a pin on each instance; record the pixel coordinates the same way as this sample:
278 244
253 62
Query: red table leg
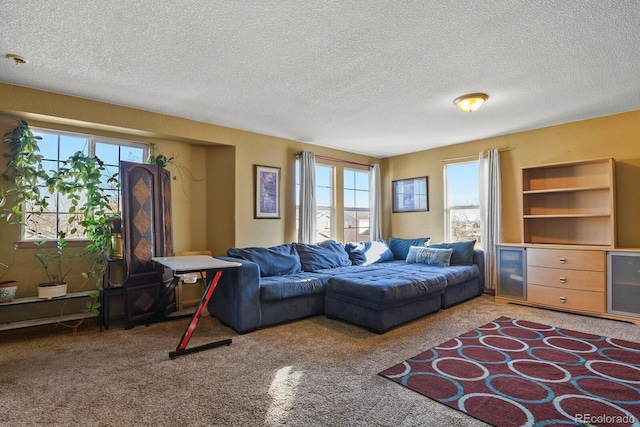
182 346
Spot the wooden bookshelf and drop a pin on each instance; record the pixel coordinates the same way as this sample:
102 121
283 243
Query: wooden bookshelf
570 203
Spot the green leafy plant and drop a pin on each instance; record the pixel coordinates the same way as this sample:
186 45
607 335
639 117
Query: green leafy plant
158 159
81 179
23 177
52 262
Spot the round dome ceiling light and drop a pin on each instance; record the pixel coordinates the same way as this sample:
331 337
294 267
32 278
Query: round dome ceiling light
16 58
471 102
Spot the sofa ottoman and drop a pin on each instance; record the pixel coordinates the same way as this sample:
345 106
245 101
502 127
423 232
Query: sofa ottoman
381 297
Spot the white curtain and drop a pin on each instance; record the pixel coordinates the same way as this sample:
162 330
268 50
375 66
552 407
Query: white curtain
490 209
307 209
375 216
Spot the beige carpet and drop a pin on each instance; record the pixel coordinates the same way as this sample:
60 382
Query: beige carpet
312 372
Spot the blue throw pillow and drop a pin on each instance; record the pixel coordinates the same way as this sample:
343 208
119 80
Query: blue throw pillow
372 252
429 256
400 247
274 261
327 254
462 251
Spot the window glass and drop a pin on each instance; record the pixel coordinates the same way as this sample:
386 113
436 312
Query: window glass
356 205
462 216
56 147
324 201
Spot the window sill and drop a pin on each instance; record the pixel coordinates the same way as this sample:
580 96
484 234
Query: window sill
31 244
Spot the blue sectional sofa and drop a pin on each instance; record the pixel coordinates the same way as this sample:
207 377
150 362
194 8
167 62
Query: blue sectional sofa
372 284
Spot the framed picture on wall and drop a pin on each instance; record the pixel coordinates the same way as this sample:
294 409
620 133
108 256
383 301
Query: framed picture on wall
411 195
267 192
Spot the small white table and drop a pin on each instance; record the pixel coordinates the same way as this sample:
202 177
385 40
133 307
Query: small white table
195 264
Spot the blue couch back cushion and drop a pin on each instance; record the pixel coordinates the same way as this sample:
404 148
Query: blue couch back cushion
367 253
327 254
400 247
462 251
275 261
429 256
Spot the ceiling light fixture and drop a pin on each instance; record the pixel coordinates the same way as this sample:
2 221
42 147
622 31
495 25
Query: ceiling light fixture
471 102
16 58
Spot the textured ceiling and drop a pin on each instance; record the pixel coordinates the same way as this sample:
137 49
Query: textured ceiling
371 77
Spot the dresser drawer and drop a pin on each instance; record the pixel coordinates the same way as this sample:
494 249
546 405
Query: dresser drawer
567 279
566 259
566 299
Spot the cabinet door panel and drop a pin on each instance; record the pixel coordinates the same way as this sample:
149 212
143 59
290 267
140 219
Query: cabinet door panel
512 273
623 284
147 233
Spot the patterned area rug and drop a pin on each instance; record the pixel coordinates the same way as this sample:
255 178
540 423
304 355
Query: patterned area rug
517 373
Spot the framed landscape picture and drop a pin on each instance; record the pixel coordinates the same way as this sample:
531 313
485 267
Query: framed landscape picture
411 195
267 192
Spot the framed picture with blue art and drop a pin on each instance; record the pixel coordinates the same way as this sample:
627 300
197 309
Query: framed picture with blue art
411 195
267 192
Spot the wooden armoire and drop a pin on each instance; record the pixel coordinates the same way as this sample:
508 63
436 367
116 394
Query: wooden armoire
146 233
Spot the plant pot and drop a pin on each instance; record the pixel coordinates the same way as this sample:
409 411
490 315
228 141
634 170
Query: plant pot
8 291
52 290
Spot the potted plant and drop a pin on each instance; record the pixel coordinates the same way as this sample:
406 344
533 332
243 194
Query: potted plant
80 179
53 268
23 173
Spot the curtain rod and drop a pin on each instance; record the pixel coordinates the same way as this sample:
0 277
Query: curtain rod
333 159
456 159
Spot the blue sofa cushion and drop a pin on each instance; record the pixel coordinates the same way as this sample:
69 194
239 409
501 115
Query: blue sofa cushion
389 283
462 251
275 261
429 256
367 253
294 285
457 274
327 254
400 247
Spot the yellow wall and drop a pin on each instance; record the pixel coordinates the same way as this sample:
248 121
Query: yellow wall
616 136
213 194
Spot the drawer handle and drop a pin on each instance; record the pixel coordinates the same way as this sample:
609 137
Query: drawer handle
563 300
563 280
562 260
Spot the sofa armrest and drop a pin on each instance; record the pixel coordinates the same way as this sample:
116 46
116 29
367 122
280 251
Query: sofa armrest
236 299
478 259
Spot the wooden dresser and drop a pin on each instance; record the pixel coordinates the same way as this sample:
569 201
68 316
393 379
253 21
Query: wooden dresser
568 239
567 279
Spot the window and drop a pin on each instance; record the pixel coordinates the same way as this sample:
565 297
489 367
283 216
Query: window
356 205
462 203
55 148
324 201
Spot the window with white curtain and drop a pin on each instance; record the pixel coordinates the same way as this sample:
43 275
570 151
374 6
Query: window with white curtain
462 201
356 205
56 147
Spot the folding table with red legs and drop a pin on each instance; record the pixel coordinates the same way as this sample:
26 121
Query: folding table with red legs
196 264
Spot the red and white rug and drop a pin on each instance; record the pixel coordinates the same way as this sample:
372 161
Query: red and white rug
518 373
